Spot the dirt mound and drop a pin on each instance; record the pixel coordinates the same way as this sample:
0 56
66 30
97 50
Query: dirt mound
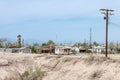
57 67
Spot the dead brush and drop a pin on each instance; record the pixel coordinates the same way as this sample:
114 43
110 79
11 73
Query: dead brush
89 60
58 56
96 74
96 59
67 59
32 75
76 61
48 57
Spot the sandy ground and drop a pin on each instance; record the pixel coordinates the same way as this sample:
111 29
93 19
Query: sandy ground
61 67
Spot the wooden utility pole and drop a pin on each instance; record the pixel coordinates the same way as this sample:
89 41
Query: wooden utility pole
90 38
117 46
106 12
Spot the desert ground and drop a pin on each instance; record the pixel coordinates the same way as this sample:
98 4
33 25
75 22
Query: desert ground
18 66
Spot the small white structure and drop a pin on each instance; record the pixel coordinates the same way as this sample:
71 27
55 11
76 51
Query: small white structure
15 50
62 50
98 49
76 49
24 50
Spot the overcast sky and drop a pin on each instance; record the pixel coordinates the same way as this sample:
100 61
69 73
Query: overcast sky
58 20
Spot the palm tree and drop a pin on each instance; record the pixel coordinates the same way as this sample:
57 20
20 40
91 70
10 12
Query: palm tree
19 40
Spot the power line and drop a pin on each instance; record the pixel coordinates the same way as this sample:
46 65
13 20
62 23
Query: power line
106 12
117 25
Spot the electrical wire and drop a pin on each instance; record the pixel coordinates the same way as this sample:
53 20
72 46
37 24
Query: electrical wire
116 25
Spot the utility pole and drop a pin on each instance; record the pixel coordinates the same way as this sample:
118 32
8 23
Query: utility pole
56 39
85 43
23 42
117 46
106 12
90 38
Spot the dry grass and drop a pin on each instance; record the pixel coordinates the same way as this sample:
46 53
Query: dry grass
34 75
96 59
